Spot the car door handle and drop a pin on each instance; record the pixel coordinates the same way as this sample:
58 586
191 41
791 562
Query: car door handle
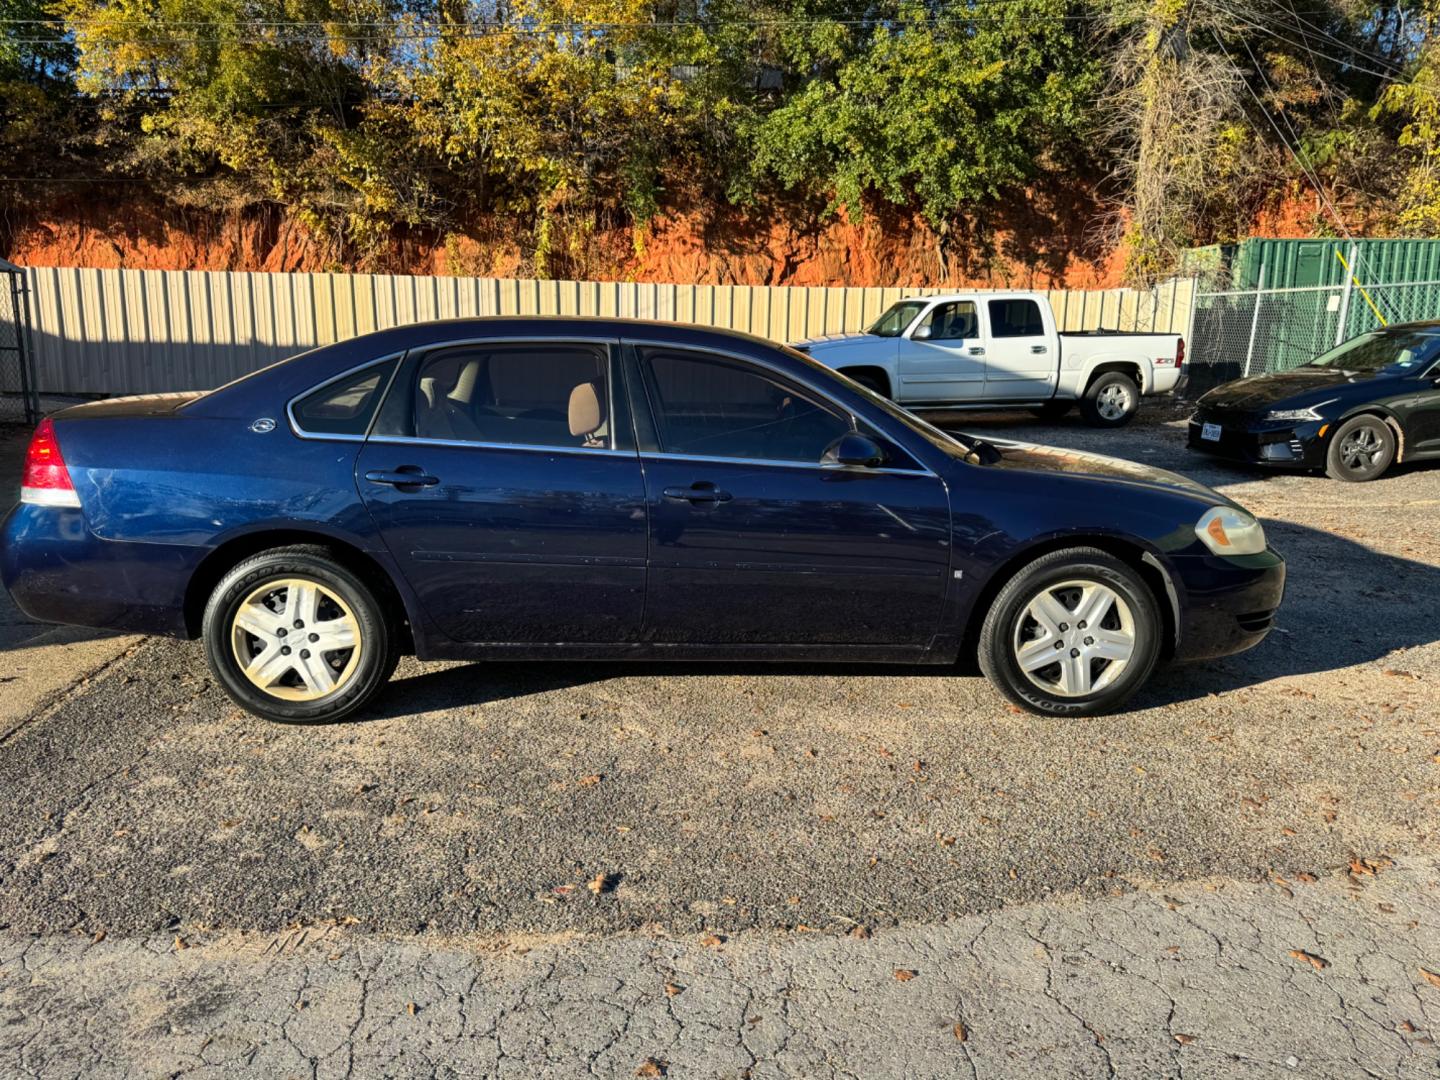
700 491
406 476
1038 349
976 350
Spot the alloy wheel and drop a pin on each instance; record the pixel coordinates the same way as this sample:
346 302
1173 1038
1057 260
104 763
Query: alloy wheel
1113 401
1074 638
1360 449
296 639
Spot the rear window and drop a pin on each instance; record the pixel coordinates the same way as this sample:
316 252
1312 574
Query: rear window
1015 318
345 405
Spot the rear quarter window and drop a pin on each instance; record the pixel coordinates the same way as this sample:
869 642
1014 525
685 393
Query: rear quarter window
344 406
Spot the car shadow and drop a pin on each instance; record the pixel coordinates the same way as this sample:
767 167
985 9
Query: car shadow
1345 604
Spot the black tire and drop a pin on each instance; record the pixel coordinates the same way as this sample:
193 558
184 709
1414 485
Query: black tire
1363 448
358 672
1009 625
1052 410
871 381
1111 401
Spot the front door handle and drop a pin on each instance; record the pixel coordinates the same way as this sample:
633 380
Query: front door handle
700 491
406 476
1037 348
976 350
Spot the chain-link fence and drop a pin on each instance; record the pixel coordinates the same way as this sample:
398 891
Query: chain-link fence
1251 332
18 401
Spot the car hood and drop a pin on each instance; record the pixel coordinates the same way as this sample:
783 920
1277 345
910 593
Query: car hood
1032 458
1261 391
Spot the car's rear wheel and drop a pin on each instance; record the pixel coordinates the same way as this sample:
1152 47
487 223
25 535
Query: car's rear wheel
1111 400
1362 449
1074 633
294 636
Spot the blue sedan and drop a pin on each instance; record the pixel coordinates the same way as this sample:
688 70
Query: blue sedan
525 488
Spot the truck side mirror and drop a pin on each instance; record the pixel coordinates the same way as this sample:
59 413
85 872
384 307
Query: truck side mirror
921 332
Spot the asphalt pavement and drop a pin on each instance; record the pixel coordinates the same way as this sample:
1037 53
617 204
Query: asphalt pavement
563 832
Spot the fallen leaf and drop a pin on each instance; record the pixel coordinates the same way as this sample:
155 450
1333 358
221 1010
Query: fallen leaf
712 941
904 974
860 932
599 883
1401 674
180 944
99 937
651 1067
1184 1040
591 780
960 1033
673 989
1407 1027
411 1008
1430 977
1319 963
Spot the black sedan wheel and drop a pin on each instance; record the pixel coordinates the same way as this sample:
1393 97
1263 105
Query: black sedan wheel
297 638
1074 633
1362 449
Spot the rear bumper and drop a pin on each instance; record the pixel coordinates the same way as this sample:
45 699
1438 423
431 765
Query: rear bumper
57 571
1229 604
1299 446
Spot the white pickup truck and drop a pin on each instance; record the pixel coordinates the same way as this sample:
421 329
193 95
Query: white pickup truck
1001 350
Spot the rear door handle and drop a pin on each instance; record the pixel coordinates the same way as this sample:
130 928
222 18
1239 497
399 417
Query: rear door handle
976 350
1038 348
406 476
700 491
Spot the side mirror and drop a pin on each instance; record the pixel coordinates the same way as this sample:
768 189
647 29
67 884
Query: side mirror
921 333
854 450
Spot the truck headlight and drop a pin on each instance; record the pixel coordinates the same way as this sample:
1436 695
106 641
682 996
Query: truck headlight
1293 414
1226 530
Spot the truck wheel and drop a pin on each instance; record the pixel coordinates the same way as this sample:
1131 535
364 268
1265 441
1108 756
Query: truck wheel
1052 410
1111 400
871 381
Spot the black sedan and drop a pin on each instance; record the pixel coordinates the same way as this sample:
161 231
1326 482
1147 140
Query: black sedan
1353 411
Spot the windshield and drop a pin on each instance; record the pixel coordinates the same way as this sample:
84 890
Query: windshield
896 318
953 445
1383 352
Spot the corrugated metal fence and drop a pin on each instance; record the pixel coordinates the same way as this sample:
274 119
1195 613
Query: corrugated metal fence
141 331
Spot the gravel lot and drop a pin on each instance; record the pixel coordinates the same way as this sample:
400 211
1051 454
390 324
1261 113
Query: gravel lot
517 802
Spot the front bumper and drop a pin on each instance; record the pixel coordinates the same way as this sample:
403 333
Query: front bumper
1287 446
1229 603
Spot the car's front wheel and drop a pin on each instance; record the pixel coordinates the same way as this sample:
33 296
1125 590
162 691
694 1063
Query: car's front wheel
1074 633
1362 449
294 636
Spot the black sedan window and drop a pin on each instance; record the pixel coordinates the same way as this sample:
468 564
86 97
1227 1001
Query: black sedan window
1389 352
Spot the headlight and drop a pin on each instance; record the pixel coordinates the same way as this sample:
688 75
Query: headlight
1228 531
1293 414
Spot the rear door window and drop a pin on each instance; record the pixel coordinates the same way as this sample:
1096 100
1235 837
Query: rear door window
712 406
515 395
1015 318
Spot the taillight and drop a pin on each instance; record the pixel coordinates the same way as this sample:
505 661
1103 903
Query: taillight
1179 352
47 481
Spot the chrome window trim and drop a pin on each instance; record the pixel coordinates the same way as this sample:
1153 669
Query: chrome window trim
301 433
772 462
539 448
811 386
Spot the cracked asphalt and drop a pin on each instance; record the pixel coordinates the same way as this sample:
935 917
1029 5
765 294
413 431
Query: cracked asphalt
528 854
